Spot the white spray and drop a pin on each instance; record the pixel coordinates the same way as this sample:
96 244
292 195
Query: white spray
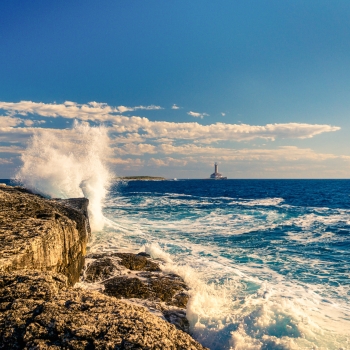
69 163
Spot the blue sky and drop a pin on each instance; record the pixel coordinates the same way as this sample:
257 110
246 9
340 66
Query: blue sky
275 75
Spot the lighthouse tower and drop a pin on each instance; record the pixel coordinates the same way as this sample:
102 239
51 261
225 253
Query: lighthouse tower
216 175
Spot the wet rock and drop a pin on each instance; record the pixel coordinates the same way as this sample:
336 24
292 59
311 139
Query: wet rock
166 287
66 318
134 262
137 277
150 283
181 300
178 319
99 270
124 287
144 254
137 262
37 233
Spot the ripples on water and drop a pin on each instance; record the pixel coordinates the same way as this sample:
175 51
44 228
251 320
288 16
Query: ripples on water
267 261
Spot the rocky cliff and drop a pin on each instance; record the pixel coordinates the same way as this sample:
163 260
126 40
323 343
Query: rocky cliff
42 249
47 235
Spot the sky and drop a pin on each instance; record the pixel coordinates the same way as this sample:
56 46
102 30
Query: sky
260 86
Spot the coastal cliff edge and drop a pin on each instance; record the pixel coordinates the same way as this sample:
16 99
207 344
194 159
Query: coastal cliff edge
42 253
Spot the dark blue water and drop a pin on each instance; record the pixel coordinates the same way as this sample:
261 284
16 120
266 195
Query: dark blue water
305 193
267 261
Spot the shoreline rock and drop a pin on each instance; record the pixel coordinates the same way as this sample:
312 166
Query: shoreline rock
42 253
41 234
139 279
52 316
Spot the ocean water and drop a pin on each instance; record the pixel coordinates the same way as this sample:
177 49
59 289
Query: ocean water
267 261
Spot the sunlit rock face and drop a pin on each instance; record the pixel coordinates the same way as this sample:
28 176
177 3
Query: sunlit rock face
42 253
41 234
38 311
139 279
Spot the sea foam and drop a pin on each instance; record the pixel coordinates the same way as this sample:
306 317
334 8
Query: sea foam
69 163
271 300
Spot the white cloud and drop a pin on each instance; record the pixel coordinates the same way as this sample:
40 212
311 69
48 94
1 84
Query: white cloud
127 161
127 164
218 131
197 115
174 106
90 111
101 112
11 149
205 153
129 138
6 161
123 109
137 130
136 149
223 114
168 161
139 142
6 121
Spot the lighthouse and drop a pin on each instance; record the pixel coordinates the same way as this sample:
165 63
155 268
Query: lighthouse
216 175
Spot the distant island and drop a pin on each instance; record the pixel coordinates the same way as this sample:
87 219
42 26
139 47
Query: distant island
142 178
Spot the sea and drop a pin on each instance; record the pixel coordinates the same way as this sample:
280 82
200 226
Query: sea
267 262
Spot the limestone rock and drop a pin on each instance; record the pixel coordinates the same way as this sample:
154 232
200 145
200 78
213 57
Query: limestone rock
39 312
42 249
134 262
37 233
138 278
99 270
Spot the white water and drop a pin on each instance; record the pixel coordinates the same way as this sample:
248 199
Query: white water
236 306
71 163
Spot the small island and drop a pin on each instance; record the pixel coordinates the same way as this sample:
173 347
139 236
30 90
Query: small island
141 178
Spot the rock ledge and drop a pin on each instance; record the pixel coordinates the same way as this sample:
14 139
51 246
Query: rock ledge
41 234
42 252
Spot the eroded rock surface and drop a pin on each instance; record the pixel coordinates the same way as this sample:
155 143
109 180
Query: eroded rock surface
42 248
42 234
138 278
37 311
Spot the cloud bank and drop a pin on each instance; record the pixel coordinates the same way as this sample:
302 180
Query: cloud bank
140 142
68 109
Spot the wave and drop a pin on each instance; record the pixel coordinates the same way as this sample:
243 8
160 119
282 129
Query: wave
69 164
245 294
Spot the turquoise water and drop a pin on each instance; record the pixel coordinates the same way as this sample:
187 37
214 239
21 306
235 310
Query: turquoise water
267 261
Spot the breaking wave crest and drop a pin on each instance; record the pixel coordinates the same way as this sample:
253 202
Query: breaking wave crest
69 163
